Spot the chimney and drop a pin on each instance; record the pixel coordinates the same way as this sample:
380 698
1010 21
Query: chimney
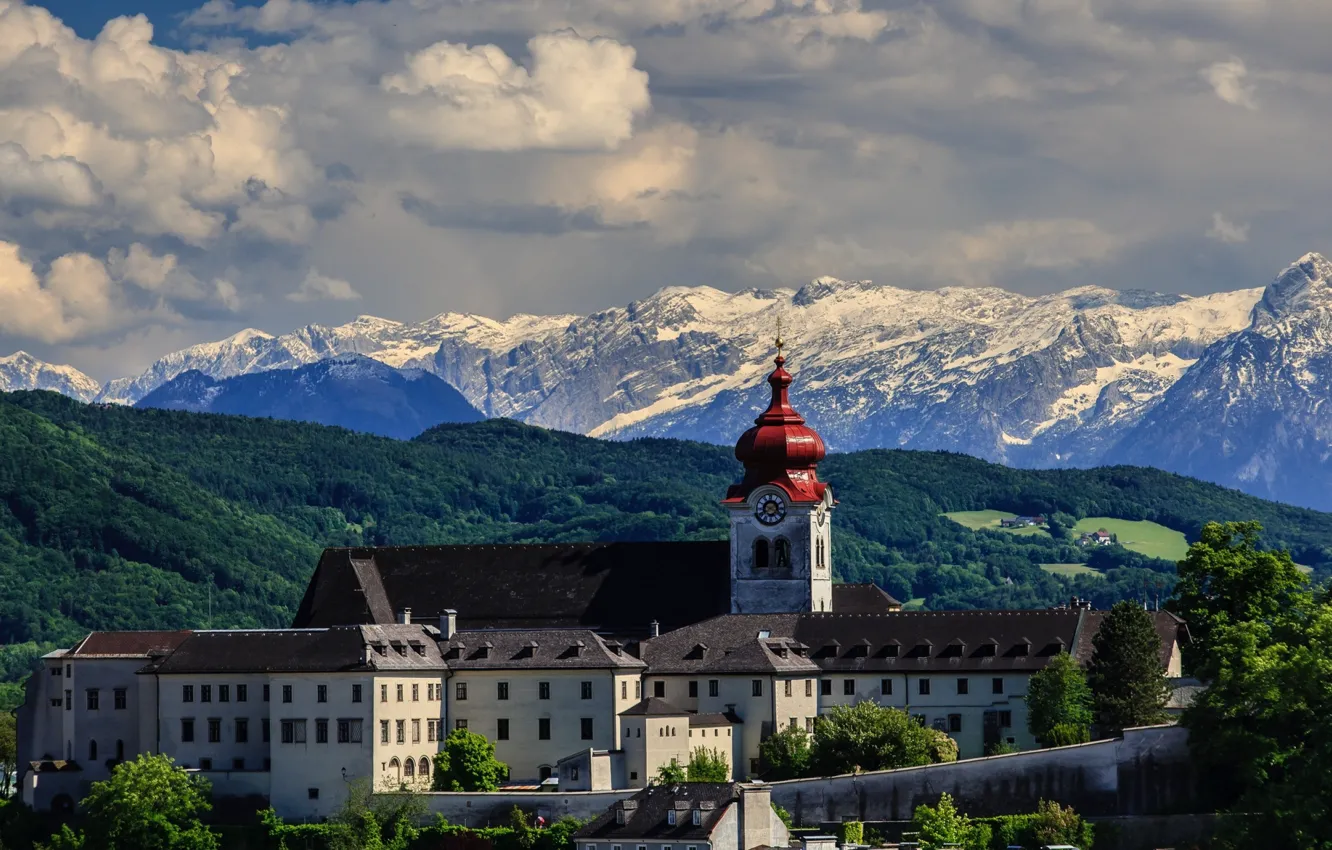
756 818
448 624
654 629
405 617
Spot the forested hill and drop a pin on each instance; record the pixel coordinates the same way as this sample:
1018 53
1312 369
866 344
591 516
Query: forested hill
113 517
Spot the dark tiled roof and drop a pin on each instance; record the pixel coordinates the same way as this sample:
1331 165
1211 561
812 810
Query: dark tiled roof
303 651
690 649
1169 627
533 649
611 587
655 706
862 599
128 644
645 813
715 719
761 656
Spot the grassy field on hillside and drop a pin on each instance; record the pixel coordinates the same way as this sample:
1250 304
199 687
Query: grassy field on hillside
989 521
1147 538
1071 570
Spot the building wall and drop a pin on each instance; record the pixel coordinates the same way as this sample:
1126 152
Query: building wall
719 738
524 752
415 710
755 711
480 810
807 587
201 753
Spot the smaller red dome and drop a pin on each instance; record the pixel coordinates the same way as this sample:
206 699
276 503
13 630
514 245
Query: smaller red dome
780 449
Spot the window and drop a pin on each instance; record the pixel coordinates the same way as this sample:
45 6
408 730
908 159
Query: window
997 685
756 687
624 689
849 687
501 729
55 671
321 731
502 690
761 554
809 725
753 765
92 750
409 769
264 731
266 696
693 690
698 817
460 724
383 693
224 693
1006 719
349 731
543 729
963 686
825 687
587 690
69 701
924 687
268 763
69 670
431 730
321 693
782 550
238 764
205 693
242 730
187 693
787 686
954 723
356 693
713 687
214 730
94 699
286 693
809 687
670 816
242 693
543 690
205 764
312 793
400 730
187 730
416 731
399 693
886 687
586 728
293 731
793 722
383 732
416 693
638 689
120 750
460 691
659 689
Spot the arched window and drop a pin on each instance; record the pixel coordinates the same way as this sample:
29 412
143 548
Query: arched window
120 750
408 769
92 750
543 772
761 553
783 550
423 767
394 766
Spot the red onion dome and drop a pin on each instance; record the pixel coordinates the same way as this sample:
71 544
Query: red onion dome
780 449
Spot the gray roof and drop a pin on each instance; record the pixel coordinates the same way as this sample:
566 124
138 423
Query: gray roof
394 647
645 813
653 706
535 649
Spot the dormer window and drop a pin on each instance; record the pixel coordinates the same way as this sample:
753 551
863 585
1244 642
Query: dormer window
483 651
576 648
698 817
923 649
619 816
830 649
891 649
955 648
1023 647
670 817
456 650
697 651
988 649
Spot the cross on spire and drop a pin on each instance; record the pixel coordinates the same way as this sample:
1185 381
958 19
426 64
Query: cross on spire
780 342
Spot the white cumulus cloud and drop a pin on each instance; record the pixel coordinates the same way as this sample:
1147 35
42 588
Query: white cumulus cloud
1225 230
319 287
1228 81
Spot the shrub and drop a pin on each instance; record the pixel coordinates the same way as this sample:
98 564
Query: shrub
1067 734
944 824
850 832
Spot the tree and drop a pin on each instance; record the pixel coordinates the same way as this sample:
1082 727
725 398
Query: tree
1226 580
708 766
8 751
1058 698
944 825
867 736
672 774
147 804
467 763
1127 680
784 754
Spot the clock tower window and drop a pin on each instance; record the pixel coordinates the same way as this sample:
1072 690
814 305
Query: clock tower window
761 553
783 552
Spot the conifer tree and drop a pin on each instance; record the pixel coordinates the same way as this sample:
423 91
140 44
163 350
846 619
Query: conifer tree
1127 680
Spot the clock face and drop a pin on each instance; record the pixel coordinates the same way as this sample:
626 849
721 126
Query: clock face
770 509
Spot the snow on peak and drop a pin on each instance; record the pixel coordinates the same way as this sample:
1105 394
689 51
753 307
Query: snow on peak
1304 285
22 371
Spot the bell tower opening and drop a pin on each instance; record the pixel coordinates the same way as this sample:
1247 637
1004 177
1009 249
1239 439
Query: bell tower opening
781 530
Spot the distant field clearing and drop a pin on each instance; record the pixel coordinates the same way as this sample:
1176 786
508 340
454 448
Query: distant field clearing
989 521
1147 538
1071 570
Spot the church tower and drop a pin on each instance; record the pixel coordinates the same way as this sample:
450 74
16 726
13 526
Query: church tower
781 526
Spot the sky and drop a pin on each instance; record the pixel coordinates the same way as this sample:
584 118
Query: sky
171 173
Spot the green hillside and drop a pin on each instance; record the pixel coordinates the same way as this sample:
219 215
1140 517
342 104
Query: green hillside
113 517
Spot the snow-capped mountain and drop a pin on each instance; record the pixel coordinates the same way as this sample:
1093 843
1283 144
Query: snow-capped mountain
1070 379
348 390
1255 412
22 371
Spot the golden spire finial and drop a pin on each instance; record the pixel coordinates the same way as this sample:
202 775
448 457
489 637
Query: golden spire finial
780 342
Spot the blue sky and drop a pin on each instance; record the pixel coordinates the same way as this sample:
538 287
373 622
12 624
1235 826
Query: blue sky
275 164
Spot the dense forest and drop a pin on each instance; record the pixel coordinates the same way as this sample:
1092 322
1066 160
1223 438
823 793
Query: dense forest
114 517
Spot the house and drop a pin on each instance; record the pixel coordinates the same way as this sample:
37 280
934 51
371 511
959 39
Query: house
1100 537
1021 521
692 816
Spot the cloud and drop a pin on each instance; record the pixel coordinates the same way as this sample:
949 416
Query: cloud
318 287
55 181
1227 80
1225 230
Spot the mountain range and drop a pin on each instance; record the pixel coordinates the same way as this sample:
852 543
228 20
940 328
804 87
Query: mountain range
1230 387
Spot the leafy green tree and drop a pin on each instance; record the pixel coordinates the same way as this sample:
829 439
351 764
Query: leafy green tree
147 804
8 752
867 736
1227 580
1058 698
467 762
943 825
672 774
1125 674
785 754
707 765
940 746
